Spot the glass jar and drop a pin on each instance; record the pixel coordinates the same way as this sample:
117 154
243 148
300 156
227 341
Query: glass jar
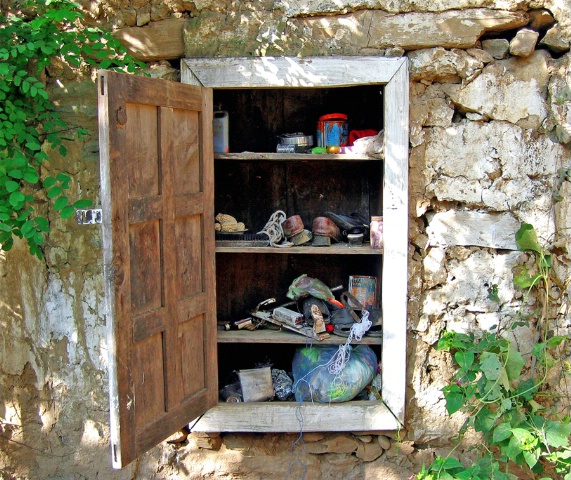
376 232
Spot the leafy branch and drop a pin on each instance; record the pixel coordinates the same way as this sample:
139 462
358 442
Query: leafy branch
31 39
504 396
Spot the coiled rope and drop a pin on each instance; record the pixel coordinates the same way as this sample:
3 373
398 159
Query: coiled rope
273 229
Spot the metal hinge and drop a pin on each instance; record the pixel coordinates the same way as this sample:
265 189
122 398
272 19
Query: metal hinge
89 216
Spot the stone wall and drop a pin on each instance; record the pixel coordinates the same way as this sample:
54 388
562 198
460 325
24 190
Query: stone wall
490 138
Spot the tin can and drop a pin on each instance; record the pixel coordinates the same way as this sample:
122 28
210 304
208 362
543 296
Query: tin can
364 289
332 129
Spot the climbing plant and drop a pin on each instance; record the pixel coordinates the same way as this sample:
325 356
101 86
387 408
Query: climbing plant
504 392
33 35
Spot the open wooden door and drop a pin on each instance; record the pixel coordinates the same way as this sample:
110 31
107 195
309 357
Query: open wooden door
157 189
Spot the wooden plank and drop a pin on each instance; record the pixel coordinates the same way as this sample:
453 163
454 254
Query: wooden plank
285 417
284 72
395 213
261 156
335 249
280 336
162 366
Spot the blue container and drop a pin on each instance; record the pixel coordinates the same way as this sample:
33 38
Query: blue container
332 129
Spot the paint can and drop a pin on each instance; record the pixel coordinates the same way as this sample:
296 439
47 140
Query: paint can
332 129
364 289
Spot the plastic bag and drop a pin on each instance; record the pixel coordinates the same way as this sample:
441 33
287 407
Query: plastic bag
314 381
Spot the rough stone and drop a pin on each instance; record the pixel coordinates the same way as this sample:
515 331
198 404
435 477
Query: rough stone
496 47
412 31
384 442
493 165
523 44
441 65
469 228
480 55
144 15
341 444
555 40
434 273
514 90
158 41
559 89
369 451
540 19
344 34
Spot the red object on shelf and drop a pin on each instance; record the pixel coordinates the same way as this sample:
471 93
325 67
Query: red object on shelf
356 134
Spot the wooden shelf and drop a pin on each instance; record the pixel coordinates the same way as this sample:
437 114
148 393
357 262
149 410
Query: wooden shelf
265 156
335 249
281 336
284 417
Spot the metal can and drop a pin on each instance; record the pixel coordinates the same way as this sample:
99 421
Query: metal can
364 289
332 130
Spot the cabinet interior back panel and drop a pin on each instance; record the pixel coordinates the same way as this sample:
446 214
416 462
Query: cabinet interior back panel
258 277
307 189
258 116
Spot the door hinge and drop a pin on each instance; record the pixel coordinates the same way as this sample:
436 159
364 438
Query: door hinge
89 216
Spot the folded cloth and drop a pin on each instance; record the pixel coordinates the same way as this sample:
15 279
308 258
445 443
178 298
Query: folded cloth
356 134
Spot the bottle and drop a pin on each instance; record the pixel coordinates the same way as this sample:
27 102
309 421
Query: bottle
376 232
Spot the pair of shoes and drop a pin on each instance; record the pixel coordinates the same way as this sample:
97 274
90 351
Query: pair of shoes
343 320
353 224
324 232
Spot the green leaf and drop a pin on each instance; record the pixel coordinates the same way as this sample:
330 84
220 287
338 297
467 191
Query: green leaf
83 203
484 420
491 365
54 192
16 198
557 433
502 432
556 341
454 401
61 202
67 212
49 182
531 457
11 186
464 358
31 176
526 239
5 228
514 363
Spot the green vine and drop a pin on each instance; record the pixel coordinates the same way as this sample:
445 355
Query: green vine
32 36
504 392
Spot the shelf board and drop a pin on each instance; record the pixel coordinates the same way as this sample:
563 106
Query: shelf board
285 417
335 249
265 156
282 336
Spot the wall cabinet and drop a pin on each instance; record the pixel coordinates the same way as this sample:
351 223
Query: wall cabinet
266 97
166 284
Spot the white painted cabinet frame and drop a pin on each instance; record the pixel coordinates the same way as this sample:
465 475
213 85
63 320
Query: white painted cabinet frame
326 72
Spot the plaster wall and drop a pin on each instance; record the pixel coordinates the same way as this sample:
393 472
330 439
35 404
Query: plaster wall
489 147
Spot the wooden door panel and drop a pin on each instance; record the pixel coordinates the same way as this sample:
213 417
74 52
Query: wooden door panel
158 213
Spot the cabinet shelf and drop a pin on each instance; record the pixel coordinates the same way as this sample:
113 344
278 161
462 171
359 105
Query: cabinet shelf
335 249
283 337
267 156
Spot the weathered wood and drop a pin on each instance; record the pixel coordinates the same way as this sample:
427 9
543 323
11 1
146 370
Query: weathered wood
162 40
280 336
391 202
158 259
395 219
334 249
285 417
253 156
283 72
